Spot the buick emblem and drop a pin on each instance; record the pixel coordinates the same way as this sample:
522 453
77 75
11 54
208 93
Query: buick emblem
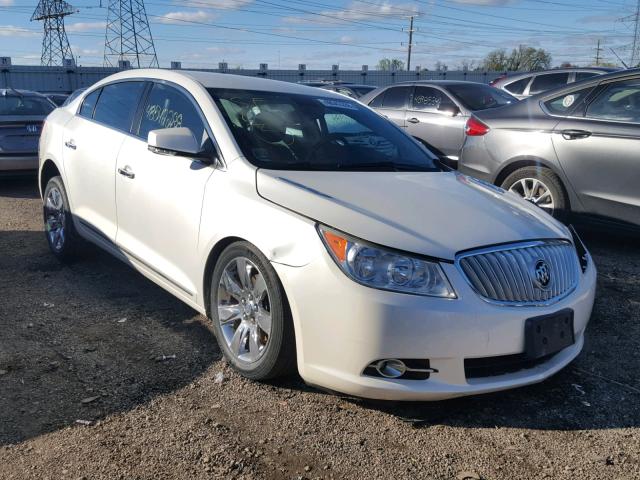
542 274
32 128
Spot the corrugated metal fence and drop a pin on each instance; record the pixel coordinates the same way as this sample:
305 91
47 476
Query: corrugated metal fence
62 79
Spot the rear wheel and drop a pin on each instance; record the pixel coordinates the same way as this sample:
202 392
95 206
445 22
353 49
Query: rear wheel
251 315
61 235
540 186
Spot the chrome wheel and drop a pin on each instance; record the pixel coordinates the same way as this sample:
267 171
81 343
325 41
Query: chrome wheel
244 310
534 191
55 218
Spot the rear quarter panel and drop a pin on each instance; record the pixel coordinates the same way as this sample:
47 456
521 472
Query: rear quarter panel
50 145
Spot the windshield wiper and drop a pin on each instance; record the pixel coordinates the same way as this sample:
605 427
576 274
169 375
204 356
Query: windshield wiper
384 167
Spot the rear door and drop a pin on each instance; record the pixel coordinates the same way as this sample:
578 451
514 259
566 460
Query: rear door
599 151
92 140
159 197
392 103
431 118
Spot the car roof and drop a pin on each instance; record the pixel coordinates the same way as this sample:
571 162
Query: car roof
621 74
518 75
219 80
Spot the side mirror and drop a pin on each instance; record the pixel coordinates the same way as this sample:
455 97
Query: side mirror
449 109
178 141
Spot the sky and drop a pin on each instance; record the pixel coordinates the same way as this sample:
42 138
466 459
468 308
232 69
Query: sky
321 33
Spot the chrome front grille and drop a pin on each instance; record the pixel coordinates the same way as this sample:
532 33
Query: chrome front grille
530 273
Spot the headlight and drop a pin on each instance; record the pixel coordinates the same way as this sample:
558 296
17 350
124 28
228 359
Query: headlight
384 269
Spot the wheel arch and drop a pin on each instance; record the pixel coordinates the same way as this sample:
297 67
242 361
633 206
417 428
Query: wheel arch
210 264
48 170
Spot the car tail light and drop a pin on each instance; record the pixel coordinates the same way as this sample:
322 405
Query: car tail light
475 128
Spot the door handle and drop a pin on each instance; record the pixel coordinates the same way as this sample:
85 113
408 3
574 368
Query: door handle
575 134
413 120
70 144
126 171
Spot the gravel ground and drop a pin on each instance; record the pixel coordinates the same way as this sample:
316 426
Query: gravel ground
105 375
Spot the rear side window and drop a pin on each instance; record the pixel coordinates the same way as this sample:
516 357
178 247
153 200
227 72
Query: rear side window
518 86
167 107
564 104
584 75
545 82
118 103
89 104
394 97
619 102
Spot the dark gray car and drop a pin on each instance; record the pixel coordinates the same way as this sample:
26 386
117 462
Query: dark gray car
527 84
435 112
574 149
22 114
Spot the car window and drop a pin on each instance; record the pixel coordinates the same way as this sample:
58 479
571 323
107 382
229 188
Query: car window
517 87
304 132
429 99
89 104
476 96
620 102
22 105
394 97
547 81
118 103
565 103
167 107
584 75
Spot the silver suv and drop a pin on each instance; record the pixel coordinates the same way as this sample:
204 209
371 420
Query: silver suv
574 149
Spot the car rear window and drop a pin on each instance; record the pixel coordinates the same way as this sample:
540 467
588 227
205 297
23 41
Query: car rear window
394 97
118 103
24 105
477 97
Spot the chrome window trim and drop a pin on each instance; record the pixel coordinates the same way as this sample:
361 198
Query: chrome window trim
516 246
220 163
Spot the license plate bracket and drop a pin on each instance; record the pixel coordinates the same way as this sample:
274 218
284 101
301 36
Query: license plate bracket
548 334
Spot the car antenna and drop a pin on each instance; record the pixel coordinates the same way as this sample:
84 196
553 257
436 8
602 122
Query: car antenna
618 57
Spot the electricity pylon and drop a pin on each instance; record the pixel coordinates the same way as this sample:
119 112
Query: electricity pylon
55 44
128 36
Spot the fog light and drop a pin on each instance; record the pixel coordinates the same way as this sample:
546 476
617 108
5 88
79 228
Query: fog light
392 368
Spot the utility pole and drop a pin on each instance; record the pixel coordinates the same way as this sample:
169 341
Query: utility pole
411 41
635 49
598 50
55 44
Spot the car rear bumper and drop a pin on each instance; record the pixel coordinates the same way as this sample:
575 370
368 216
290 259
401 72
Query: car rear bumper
343 327
10 162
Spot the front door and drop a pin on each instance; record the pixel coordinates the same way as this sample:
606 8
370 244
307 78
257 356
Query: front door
159 197
600 152
434 118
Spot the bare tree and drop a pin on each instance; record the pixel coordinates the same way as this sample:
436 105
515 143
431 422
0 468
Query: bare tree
388 64
523 58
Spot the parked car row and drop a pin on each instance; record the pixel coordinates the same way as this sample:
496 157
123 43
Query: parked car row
316 235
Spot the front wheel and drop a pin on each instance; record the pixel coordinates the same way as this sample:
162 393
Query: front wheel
540 186
250 314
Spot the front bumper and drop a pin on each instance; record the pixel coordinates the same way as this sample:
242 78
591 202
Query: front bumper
342 327
12 163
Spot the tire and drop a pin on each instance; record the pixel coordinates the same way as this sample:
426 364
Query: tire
62 238
257 349
546 180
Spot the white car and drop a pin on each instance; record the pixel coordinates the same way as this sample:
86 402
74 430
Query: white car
314 233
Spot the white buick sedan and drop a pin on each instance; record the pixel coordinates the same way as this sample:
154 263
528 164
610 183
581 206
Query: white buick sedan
315 235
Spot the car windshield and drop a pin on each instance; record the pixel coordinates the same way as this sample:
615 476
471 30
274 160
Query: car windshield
477 97
22 105
307 132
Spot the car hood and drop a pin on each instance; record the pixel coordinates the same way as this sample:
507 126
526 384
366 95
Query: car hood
435 214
